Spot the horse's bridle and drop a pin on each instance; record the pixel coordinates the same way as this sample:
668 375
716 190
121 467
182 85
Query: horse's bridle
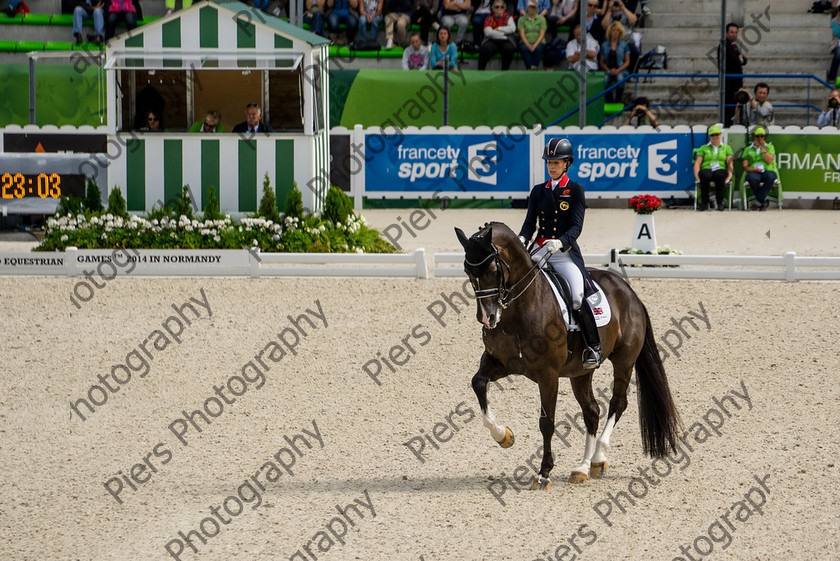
502 290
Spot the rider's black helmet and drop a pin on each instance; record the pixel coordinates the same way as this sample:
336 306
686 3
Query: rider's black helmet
559 149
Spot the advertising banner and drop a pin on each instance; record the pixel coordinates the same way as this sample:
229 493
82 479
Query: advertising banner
808 162
453 163
632 163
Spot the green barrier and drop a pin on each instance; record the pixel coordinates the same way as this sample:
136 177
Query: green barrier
62 19
613 108
58 46
28 46
8 46
37 19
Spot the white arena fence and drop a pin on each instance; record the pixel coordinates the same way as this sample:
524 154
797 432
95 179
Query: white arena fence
788 267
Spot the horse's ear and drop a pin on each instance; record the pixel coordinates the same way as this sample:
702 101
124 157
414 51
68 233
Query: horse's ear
462 237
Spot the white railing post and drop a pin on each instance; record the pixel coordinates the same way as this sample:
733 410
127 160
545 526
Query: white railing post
70 260
254 261
790 266
420 262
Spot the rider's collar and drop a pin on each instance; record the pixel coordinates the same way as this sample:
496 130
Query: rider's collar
562 182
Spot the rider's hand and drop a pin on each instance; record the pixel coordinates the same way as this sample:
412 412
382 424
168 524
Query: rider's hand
523 240
553 245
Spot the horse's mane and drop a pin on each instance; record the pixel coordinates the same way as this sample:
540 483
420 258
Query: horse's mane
504 238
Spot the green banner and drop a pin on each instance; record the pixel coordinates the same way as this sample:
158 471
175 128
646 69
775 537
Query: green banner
415 99
808 162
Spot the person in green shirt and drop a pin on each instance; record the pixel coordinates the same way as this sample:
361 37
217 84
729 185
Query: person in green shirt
713 164
532 27
211 123
759 161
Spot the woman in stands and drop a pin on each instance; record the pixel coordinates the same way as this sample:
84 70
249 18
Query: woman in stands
614 60
443 49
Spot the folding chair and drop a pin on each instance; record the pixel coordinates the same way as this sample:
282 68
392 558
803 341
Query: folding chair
776 194
728 197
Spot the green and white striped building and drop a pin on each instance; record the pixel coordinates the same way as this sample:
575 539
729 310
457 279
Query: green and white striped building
241 41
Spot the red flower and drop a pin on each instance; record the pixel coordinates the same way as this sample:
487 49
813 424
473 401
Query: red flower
645 204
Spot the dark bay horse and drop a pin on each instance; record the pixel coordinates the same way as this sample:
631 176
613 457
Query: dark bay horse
524 334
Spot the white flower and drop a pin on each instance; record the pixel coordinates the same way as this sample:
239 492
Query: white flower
65 237
217 239
254 242
173 235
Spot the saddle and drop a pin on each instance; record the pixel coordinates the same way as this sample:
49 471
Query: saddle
562 291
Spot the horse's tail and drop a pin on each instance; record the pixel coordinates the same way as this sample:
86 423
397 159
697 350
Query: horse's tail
658 416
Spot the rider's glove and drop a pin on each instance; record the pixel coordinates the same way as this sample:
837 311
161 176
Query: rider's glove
523 240
553 245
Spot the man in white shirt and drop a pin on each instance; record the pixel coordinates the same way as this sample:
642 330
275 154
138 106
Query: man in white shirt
573 51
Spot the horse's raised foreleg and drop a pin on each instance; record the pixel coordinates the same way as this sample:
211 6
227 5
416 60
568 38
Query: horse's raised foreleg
490 370
582 388
618 403
548 406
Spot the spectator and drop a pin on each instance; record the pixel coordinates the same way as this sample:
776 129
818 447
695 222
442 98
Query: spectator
642 113
456 12
425 14
614 60
482 10
443 49
90 9
759 161
735 62
415 56
751 111
253 121
498 37
831 114
835 61
313 15
212 123
120 10
170 5
618 12
370 16
592 20
522 8
573 51
562 13
713 164
340 12
397 12
11 8
153 123
532 29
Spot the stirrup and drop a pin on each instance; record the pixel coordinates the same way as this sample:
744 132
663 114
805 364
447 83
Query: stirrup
591 357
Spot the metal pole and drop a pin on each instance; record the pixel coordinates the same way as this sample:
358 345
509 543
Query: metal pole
722 65
446 89
32 91
582 70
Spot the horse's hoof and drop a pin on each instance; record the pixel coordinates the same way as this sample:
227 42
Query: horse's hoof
541 483
597 469
577 477
508 440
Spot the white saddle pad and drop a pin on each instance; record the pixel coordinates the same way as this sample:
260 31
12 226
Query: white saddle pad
598 302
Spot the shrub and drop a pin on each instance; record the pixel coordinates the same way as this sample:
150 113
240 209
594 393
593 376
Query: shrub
337 206
211 208
69 205
116 203
268 203
183 204
93 198
294 203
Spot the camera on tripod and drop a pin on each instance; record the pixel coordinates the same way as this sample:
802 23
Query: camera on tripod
742 97
639 112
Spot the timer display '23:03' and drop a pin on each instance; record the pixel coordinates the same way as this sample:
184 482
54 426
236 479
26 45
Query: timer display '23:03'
19 185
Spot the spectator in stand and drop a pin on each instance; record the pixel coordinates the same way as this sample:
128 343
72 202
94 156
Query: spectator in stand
482 10
618 12
573 51
314 15
415 56
562 13
90 9
522 8
532 28
120 10
153 123
592 20
397 12
642 114
443 49
456 12
759 161
370 16
212 123
425 14
253 122
498 37
11 8
340 12
614 60
713 164
830 117
751 111
735 62
170 5
835 61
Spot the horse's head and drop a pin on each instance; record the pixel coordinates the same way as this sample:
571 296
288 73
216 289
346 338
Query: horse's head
489 255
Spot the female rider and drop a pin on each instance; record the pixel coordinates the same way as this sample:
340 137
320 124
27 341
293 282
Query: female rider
560 205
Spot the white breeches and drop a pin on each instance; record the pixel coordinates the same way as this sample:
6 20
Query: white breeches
563 264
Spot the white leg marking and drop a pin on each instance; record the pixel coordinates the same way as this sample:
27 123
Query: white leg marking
588 450
497 431
604 441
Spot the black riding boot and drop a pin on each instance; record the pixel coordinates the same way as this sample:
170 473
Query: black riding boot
591 337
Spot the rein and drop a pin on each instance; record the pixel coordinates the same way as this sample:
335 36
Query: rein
502 291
